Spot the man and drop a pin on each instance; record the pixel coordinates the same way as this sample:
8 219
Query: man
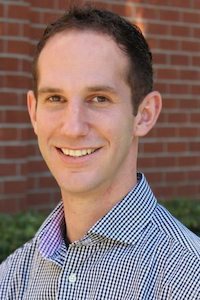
108 238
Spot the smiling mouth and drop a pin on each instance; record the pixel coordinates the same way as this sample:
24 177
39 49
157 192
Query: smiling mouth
77 153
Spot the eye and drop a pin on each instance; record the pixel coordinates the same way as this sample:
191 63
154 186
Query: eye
100 99
56 98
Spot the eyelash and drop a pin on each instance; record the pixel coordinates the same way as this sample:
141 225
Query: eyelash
60 99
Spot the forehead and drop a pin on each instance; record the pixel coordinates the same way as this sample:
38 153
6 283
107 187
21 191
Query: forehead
86 55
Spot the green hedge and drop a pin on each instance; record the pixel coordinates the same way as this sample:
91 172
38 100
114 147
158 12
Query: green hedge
188 212
16 229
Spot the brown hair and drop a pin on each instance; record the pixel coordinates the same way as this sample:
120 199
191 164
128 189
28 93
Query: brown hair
127 36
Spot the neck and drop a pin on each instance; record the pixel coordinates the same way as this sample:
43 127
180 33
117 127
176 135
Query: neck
83 211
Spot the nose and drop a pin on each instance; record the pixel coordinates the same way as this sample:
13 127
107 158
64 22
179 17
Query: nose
75 122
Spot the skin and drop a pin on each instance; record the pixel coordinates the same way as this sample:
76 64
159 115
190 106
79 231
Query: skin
84 102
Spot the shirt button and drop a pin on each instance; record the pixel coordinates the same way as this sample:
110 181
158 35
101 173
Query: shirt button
72 278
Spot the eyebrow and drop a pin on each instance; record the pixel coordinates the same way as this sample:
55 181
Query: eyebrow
48 90
100 88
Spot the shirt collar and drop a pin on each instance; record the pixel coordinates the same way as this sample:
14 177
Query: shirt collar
128 218
124 222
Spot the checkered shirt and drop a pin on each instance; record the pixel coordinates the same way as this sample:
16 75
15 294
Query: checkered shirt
136 251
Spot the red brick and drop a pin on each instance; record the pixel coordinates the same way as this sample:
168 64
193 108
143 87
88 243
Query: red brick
43 3
177 89
195 117
16 152
196 60
9 64
170 103
176 176
123 10
191 17
187 161
187 190
18 47
153 147
170 15
176 147
166 132
160 58
161 29
36 34
15 187
178 118
164 192
168 73
189 74
161 87
196 89
2 29
9 99
7 169
169 44
145 162
190 46
32 183
194 146
178 59
146 13
45 182
26 66
36 18
153 177
1 9
18 12
196 32
17 116
26 29
165 161
13 29
9 134
27 134
193 175
2 44
181 3
64 4
19 82
2 81
188 132
8 205
37 166
189 103
196 4
38 199
179 30
49 17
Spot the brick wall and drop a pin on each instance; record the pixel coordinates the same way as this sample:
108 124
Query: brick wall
169 155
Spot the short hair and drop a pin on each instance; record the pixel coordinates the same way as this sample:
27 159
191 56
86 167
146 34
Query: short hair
127 36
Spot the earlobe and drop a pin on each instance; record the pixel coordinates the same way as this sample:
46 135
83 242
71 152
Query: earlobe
31 103
148 113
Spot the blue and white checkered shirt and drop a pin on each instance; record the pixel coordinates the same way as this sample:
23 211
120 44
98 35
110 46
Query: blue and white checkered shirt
136 251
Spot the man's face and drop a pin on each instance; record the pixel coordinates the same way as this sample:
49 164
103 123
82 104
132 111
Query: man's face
84 116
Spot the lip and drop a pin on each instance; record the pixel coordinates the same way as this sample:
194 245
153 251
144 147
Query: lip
75 161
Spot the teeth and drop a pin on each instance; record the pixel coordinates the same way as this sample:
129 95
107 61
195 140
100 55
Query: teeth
77 153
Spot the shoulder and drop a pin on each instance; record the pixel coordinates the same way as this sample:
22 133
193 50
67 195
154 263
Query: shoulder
14 271
176 231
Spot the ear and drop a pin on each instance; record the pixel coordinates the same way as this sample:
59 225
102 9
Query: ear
148 113
32 107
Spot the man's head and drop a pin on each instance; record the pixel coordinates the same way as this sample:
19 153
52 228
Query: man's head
82 110
128 37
